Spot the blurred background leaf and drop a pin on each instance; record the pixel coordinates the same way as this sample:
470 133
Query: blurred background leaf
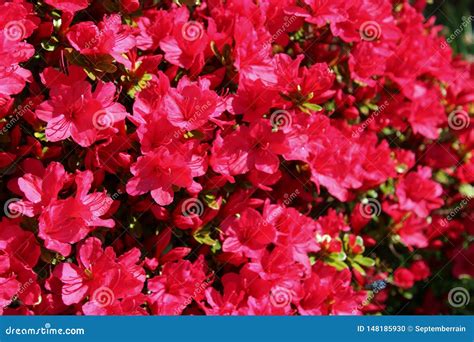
455 15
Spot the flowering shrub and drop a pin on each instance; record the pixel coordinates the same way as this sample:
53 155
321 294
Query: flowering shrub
273 157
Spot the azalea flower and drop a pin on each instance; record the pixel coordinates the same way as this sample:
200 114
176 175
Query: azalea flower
272 157
109 37
418 193
101 276
158 171
63 222
191 105
69 5
76 111
249 234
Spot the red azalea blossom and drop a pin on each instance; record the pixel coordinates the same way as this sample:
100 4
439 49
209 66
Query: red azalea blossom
69 6
107 38
236 157
404 278
417 193
75 111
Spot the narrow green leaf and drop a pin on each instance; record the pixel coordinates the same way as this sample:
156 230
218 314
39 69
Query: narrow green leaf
364 261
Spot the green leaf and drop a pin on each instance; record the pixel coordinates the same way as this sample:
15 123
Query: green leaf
442 177
339 256
147 77
211 202
401 168
90 74
216 247
373 106
357 267
48 45
364 110
372 193
195 134
312 106
40 135
213 205
133 91
330 106
364 261
339 265
388 187
203 236
467 190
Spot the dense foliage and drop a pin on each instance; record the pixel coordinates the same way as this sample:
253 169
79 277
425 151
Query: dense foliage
284 157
